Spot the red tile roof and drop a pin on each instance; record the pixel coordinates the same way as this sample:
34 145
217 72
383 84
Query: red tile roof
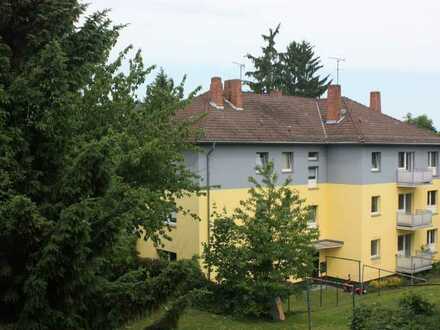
292 119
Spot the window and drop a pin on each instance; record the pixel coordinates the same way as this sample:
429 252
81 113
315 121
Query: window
375 248
404 204
432 198
431 239
313 212
405 160
287 158
404 245
313 176
433 161
432 201
171 219
167 255
262 159
313 155
375 205
375 161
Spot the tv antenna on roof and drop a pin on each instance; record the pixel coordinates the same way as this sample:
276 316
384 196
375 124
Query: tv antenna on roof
242 67
338 60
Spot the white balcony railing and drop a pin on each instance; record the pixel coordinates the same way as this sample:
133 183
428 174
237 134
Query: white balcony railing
414 264
421 219
413 177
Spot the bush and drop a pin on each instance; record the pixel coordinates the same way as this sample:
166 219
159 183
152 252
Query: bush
389 282
414 304
414 313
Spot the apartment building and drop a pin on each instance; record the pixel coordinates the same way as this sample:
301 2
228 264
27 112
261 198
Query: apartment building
372 180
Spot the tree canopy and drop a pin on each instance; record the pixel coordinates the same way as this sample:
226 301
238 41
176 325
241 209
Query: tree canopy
259 246
84 164
422 121
267 66
294 71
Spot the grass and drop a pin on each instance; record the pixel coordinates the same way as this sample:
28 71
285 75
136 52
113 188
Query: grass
327 317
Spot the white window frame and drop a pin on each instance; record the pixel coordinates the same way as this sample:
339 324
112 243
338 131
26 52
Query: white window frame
431 200
312 182
313 158
312 223
431 239
262 159
287 158
377 254
406 240
405 208
376 167
433 162
408 160
377 199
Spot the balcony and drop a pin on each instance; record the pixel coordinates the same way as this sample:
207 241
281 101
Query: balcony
414 264
409 221
413 178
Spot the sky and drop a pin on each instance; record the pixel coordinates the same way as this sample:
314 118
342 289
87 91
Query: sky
389 45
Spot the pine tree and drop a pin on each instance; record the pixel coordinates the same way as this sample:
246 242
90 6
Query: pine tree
299 71
84 165
265 77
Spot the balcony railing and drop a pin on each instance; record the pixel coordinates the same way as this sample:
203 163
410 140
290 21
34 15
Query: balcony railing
413 178
421 219
414 264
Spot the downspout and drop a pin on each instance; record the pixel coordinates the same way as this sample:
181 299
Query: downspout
208 200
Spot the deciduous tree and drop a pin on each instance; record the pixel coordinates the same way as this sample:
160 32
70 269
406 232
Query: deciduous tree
259 246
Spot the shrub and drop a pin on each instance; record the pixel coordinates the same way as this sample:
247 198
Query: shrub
414 313
390 282
416 305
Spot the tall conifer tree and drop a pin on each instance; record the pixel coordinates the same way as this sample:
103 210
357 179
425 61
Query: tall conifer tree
84 164
299 71
264 78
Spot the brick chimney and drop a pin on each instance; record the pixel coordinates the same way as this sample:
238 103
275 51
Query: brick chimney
375 103
216 92
333 103
233 93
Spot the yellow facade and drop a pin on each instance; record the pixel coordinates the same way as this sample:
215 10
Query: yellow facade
343 215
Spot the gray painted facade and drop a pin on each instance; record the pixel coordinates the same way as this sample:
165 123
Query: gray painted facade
232 165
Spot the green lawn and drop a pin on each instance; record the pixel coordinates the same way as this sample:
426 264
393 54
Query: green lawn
327 317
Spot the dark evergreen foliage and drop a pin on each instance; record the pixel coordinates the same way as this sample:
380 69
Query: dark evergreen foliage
294 72
265 78
84 165
299 71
